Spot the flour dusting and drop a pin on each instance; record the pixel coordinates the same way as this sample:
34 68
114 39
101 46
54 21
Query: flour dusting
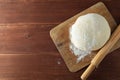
89 33
78 52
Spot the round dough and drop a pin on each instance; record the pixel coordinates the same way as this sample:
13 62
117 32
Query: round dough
90 32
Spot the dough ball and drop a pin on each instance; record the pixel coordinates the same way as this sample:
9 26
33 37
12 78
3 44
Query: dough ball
90 31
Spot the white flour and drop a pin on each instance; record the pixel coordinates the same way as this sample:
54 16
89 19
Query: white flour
89 32
78 52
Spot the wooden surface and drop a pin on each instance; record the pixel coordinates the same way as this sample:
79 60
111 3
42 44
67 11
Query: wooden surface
26 49
60 37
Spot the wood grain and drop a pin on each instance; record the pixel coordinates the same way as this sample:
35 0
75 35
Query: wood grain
26 49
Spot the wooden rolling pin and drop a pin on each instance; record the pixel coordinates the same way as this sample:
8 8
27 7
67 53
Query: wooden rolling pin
102 53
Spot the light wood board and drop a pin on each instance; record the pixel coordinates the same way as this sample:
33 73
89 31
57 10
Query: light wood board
60 36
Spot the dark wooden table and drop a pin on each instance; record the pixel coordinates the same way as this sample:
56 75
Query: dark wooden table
26 49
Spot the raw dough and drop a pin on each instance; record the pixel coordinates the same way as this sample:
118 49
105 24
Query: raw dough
90 32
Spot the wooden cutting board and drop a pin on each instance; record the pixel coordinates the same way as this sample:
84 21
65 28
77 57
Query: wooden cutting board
60 36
